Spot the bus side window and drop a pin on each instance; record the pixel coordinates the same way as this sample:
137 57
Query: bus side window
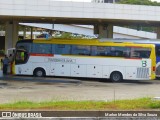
41 48
93 50
62 49
53 48
101 51
120 51
145 54
81 50
140 52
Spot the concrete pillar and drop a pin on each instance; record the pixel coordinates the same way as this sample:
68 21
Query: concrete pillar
104 31
31 32
24 32
158 32
11 34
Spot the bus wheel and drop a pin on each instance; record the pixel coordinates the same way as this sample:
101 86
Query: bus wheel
116 76
39 72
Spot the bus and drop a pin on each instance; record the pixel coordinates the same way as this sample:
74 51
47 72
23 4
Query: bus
156 42
85 58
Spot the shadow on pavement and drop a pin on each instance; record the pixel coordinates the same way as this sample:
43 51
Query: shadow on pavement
37 79
58 79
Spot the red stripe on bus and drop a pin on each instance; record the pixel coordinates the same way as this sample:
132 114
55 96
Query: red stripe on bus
37 54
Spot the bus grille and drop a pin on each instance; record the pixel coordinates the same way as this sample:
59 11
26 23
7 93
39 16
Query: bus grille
142 72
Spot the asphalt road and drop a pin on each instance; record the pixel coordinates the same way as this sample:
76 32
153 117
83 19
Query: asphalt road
19 88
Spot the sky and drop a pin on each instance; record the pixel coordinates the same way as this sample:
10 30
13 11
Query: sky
90 0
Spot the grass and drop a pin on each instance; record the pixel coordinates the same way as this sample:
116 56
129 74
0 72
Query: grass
135 104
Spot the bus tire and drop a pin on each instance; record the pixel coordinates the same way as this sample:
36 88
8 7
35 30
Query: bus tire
116 76
39 72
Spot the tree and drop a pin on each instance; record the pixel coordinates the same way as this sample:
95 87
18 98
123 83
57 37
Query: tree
70 36
139 2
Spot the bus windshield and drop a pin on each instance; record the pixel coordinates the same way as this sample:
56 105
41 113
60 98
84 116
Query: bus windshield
21 57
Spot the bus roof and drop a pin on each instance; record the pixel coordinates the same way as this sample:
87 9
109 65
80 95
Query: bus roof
86 42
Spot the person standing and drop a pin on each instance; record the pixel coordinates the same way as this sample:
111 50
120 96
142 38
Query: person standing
11 63
5 62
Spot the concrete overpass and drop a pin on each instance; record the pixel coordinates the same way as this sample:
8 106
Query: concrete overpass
102 16
49 11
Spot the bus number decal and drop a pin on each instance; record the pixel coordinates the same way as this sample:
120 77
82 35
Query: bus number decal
144 63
